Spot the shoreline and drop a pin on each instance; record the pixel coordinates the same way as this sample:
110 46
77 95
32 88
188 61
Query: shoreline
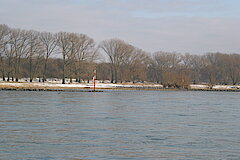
27 86
101 87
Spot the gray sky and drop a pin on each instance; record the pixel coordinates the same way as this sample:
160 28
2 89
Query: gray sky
194 26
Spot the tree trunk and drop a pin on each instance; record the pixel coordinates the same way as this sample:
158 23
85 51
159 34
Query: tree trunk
116 75
63 74
112 76
9 69
30 68
18 68
3 74
44 70
3 70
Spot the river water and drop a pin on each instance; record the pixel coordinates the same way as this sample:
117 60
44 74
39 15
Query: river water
119 125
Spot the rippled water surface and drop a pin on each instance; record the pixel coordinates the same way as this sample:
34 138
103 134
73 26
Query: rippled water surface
119 125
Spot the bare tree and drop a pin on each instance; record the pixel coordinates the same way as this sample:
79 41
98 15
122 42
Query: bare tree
63 42
186 70
166 67
211 62
73 42
116 50
197 65
34 52
19 39
9 53
85 52
134 66
49 43
4 32
230 65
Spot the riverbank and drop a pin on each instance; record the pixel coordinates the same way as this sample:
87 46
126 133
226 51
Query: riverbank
88 87
49 86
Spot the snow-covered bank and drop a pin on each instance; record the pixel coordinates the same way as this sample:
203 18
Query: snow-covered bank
75 85
223 87
55 85
216 87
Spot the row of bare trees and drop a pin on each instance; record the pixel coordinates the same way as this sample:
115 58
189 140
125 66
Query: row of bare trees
127 62
71 55
180 70
75 49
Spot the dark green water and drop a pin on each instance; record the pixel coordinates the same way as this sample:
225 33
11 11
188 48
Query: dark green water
119 125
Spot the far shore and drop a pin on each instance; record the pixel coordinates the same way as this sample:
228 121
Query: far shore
89 87
57 86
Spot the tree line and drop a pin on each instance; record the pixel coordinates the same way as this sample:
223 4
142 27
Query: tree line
42 55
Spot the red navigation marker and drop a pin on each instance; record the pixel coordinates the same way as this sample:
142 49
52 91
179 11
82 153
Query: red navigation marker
94 79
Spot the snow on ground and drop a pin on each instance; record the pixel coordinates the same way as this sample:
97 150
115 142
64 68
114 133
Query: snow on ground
197 86
56 83
225 87
75 85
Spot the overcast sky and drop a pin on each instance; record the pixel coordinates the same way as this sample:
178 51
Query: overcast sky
194 26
